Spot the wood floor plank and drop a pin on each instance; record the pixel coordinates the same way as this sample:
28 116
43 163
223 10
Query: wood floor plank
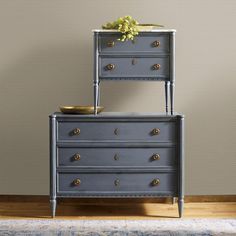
41 210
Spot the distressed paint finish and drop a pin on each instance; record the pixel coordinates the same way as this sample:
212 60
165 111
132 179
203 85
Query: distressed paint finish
108 166
135 60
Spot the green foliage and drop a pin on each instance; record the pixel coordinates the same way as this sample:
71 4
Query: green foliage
126 25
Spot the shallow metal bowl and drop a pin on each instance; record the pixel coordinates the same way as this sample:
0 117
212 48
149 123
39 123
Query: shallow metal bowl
80 109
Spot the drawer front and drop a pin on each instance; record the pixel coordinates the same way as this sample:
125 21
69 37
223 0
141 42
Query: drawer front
123 131
90 183
116 157
156 43
135 67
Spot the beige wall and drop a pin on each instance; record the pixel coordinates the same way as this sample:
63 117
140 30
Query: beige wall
46 60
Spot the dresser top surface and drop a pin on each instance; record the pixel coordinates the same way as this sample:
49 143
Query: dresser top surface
118 115
143 30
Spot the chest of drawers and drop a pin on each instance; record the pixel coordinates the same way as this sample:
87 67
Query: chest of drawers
116 155
150 57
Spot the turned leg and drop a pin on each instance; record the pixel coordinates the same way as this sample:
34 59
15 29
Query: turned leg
95 86
53 203
167 94
181 207
173 200
99 96
96 80
53 157
172 86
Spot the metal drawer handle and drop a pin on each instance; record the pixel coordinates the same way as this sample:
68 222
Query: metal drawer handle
134 61
155 131
110 44
110 67
155 157
116 157
155 182
156 44
156 66
116 131
77 182
77 157
117 182
76 131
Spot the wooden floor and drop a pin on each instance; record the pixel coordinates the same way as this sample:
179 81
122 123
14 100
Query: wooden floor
124 210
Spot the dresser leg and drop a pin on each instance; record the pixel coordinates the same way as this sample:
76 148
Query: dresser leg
181 207
173 200
95 86
98 99
172 86
53 203
167 94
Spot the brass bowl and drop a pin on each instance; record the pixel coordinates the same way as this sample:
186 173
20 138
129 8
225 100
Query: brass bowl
80 109
148 26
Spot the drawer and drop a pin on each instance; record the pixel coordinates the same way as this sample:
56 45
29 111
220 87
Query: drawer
104 183
122 131
116 157
135 67
144 42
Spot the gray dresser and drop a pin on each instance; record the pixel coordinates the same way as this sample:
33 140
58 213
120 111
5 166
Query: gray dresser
116 155
150 57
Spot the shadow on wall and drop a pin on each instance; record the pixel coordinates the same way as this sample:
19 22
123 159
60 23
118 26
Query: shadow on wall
210 137
32 88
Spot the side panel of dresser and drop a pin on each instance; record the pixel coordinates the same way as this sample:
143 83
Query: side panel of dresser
181 164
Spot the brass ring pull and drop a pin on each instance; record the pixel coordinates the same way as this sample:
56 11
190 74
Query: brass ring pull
110 67
116 157
156 44
155 182
76 131
110 44
156 66
77 157
155 131
155 157
77 182
117 182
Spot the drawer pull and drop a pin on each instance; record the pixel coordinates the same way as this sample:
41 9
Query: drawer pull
134 61
76 131
156 44
117 182
155 131
116 157
77 157
110 67
156 66
110 44
155 157
155 182
116 131
77 182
